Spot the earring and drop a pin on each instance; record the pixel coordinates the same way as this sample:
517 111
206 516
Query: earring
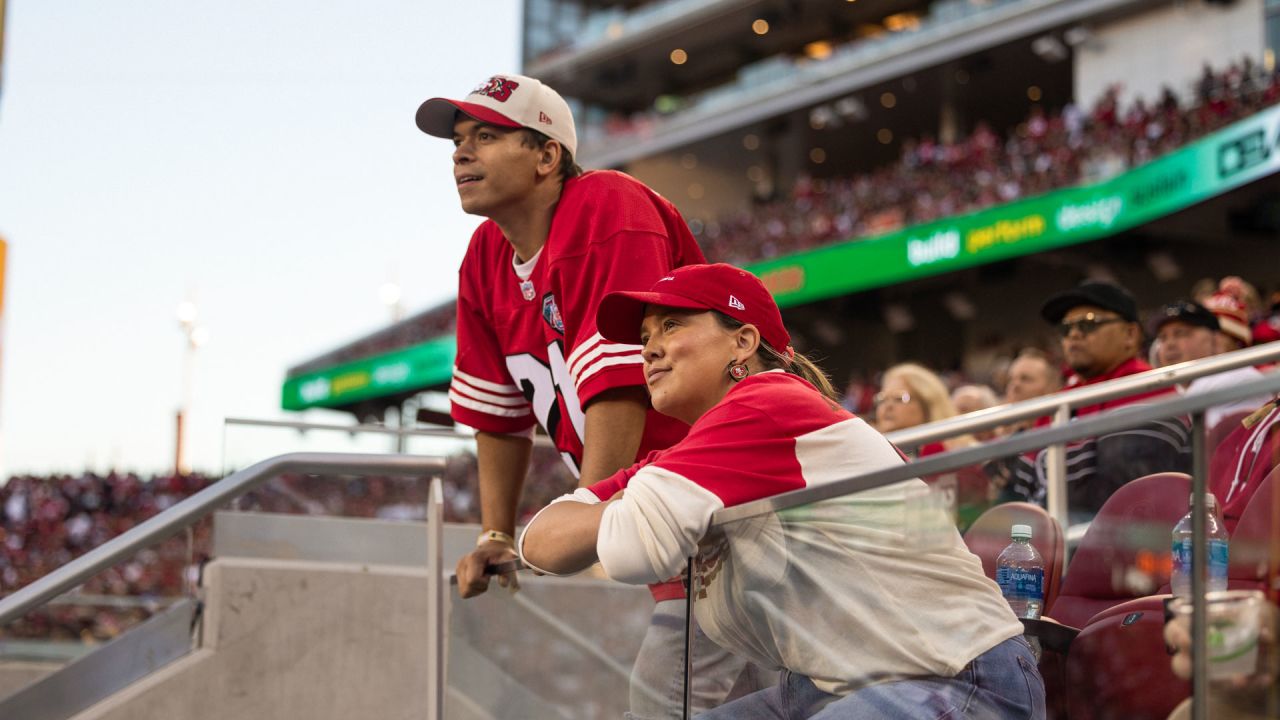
737 370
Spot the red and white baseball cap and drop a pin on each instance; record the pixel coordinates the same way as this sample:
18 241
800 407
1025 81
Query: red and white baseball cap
1233 317
725 288
513 101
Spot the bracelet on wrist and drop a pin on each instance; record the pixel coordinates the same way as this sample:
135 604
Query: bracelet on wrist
489 536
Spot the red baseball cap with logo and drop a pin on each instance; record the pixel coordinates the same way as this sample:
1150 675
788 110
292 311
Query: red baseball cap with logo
512 101
724 288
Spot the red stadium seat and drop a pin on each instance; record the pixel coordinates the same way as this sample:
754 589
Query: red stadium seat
989 535
1222 429
1118 667
973 493
1125 552
1252 560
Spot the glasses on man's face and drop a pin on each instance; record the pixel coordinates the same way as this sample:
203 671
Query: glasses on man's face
1087 325
883 398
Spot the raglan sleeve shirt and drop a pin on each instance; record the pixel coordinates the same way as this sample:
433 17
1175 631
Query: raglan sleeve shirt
733 455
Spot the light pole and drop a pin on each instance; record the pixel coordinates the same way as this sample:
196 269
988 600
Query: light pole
194 336
390 294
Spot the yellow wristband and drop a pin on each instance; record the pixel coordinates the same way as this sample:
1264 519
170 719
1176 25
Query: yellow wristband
496 536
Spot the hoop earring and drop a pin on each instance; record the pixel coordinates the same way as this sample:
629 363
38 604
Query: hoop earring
737 370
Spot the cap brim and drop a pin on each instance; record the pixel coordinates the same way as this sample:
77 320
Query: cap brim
438 115
1056 307
620 314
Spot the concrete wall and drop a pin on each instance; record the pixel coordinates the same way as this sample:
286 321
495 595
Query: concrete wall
294 639
16 675
1167 45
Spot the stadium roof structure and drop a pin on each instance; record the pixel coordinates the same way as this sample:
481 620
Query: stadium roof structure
1218 163
625 64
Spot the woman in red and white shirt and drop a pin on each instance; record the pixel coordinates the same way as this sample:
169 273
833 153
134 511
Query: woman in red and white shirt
864 614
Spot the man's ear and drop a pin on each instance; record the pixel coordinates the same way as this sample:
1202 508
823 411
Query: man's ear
549 158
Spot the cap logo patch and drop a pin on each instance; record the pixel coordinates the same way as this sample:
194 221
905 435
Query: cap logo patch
736 304
498 88
542 118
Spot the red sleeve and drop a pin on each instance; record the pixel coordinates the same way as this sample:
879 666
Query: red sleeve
736 452
482 393
628 260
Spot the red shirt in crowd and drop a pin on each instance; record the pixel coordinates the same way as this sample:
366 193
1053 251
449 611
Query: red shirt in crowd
1242 461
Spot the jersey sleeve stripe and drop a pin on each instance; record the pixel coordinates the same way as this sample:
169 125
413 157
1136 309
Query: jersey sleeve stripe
483 384
487 408
593 348
606 362
577 368
509 400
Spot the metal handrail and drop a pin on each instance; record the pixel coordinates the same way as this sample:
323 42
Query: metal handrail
448 433
191 510
1104 422
1157 379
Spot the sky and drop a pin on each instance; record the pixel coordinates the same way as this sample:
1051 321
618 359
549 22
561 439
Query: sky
257 158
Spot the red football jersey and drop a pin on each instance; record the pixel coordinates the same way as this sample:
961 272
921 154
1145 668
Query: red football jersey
528 350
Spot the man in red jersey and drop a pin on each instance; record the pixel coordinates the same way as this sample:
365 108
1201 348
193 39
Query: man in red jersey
555 242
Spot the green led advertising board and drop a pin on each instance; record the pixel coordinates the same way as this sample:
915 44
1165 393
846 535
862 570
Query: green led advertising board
1226 159
412 368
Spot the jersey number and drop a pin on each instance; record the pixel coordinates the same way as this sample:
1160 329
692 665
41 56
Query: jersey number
548 388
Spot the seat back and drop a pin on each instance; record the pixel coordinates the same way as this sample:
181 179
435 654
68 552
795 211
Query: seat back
1223 428
973 492
1118 666
1125 552
989 535
1253 557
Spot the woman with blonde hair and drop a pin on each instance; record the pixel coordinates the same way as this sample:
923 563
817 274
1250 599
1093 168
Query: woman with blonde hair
912 395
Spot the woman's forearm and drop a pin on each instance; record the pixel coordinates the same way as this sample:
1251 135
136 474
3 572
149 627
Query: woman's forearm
562 538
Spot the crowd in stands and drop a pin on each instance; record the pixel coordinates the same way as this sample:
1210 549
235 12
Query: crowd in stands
1045 152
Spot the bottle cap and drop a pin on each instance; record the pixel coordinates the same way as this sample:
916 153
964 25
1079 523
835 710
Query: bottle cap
1020 531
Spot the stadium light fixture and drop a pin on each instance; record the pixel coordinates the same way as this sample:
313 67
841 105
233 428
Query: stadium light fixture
888 100
760 26
1034 94
679 56
818 156
751 141
885 136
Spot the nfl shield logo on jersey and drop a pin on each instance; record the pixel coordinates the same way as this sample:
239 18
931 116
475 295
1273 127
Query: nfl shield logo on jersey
551 313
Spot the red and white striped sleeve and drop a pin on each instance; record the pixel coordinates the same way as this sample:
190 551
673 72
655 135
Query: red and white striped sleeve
628 260
482 393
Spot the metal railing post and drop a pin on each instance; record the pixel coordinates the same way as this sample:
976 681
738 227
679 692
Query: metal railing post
1056 472
1199 571
435 602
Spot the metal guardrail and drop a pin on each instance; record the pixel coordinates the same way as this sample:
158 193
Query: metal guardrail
1060 405
189 511
1102 423
1157 379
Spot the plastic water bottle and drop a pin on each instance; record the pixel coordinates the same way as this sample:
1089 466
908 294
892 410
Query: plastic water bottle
1020 574
1216 543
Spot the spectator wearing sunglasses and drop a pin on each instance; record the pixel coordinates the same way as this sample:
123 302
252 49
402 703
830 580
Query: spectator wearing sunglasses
1101 338
1101 341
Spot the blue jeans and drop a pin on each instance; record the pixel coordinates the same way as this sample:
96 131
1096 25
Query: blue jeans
1001 683
657 678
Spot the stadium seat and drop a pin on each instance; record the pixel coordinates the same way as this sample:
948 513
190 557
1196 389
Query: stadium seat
989 535
1223 428
973 493
1125 552
1118 666
1251 554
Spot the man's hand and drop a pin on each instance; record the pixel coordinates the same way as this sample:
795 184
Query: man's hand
472 579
